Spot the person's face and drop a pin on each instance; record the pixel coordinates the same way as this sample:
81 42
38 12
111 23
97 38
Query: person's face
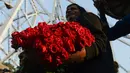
72 13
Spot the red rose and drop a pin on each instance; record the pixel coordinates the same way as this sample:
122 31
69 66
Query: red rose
53 43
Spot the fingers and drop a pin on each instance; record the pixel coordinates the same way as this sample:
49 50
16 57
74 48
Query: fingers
76 58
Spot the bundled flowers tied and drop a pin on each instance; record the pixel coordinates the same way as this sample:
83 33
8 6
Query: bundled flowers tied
53 43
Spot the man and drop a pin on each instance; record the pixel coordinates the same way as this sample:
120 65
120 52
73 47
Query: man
94 59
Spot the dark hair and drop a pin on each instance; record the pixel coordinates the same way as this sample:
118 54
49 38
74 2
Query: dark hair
80 8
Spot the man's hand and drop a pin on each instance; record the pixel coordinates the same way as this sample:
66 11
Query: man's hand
77 57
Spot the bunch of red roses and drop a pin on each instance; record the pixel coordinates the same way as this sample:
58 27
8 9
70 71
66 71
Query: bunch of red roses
53 43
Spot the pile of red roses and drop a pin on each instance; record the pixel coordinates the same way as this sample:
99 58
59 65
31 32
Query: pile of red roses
54 42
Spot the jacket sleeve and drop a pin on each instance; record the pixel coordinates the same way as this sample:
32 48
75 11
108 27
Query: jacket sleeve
120 29
92 22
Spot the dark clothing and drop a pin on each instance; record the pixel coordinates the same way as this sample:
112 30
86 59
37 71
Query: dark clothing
120 29
99 57
114 8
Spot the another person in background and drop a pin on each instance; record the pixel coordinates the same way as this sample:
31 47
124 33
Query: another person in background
116 66
95 59
28 65
117 9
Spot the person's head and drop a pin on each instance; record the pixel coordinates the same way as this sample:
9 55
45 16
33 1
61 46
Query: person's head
73 12
22 57
116 66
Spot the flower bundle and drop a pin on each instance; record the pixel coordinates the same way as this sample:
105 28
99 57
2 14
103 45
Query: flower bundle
53 43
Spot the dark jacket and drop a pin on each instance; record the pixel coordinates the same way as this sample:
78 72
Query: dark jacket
114 8
120 29
99 57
